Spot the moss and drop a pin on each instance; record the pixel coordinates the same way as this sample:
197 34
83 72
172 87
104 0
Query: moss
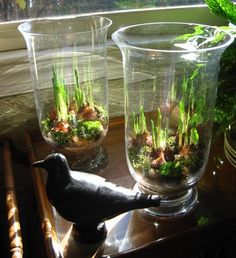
192 161
140 158
92 129
60 138
172 169
46 125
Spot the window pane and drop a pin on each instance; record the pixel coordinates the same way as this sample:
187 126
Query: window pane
21 9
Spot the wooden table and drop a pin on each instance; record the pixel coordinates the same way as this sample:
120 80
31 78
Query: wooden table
212 228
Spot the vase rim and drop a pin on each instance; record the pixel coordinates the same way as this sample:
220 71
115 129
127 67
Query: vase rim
26 27
122 44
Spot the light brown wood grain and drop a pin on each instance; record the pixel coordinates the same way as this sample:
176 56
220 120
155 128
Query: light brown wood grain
14 228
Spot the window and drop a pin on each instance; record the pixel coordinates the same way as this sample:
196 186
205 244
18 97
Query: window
121 12
22 9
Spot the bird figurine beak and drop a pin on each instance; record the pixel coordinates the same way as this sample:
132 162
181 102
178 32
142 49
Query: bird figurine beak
39 164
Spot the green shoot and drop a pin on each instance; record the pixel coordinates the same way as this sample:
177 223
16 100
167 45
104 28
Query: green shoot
184 87
191 110
79 96
139 123
195 72
172 95
181 122
88 86
183 126
67 123
143 126
194 136
154 135
159 118
60 96
159 135
186 138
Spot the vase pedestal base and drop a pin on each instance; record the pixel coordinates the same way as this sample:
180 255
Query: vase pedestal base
174 208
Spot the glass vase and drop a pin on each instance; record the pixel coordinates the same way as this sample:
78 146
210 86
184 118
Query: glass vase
69 76
170 78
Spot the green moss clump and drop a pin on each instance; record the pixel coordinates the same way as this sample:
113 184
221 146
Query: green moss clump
173 169
60 137
89 129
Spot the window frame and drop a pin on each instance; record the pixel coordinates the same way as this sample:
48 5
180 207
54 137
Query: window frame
11 39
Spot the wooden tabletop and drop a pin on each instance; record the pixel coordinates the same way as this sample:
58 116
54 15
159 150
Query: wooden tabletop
136 234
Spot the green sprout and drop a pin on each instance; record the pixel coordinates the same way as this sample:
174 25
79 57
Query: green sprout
172 153
191 111
173 92
194 136
60 96
139 123
65 124
181 122
159 135
79 96
88 86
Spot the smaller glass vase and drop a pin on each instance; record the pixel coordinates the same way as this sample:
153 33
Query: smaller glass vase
170 79
69 75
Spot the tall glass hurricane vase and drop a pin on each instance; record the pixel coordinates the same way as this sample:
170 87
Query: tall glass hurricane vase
69 75
170 76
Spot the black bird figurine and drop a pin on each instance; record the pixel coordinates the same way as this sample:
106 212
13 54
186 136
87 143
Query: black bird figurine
87 199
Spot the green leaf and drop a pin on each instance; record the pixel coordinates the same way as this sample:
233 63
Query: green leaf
198 30
223 8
